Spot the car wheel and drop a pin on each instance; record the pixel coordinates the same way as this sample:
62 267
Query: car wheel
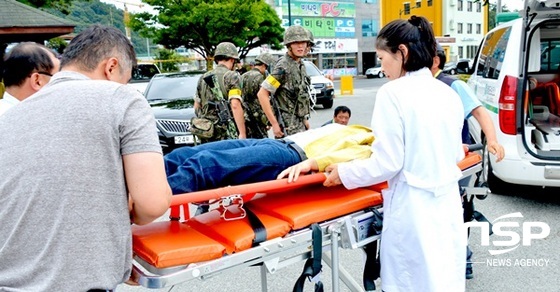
495 184
328 104
380 75
452 72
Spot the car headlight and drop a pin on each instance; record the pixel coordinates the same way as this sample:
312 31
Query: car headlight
330 85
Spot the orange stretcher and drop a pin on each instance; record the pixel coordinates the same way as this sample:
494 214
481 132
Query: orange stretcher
170 252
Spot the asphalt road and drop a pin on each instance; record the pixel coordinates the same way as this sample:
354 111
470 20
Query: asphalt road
531 265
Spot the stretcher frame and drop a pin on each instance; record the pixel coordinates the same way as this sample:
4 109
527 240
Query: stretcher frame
272 255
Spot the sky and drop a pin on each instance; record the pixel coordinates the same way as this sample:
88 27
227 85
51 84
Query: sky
131 7
512 4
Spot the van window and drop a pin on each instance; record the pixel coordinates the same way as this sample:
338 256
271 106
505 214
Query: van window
492 53
143 72
550 55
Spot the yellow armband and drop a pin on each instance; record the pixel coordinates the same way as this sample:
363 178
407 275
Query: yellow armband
275 83
234 93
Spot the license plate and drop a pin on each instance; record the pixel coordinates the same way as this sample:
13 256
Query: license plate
184 139
316 91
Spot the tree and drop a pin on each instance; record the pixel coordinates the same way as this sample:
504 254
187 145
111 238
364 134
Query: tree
201 25
170 60
492 8
60 5
57 44
87 12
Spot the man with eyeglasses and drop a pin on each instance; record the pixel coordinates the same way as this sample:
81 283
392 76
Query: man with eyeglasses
27 68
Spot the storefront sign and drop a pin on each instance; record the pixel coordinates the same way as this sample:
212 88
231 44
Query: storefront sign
335 46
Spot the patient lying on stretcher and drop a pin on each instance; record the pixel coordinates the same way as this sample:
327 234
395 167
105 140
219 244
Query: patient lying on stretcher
234 162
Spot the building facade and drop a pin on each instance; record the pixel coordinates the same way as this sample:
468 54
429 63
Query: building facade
459 25
345 31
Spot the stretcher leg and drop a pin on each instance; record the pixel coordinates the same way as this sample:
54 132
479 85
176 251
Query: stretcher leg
264 280
335 259
343 275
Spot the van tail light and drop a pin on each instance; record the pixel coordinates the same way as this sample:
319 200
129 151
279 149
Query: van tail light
507 110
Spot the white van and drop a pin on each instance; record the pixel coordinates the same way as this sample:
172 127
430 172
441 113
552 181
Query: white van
526 117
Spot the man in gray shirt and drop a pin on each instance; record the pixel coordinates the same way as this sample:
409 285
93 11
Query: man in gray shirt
80 160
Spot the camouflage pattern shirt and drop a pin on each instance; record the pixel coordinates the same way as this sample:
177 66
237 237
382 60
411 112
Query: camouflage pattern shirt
256 121
230 86
288 83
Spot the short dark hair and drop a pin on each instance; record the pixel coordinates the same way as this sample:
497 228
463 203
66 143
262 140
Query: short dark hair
442 58
416 34
23 60
343 109
97 43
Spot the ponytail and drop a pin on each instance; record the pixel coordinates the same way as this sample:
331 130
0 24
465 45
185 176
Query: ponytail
416 34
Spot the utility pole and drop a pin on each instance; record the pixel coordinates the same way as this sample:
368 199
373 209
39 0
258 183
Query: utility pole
127 16
289 13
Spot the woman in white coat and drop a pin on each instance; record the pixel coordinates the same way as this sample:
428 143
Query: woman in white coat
417 123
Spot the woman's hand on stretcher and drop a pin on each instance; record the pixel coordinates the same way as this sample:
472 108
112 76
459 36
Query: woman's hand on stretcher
333 179
293 171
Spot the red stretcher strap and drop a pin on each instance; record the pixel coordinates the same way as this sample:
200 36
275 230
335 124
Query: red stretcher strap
272 186
236 235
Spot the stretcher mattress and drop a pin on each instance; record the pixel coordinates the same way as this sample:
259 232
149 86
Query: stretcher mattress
237 235
173 243
209 236
303 207
280 206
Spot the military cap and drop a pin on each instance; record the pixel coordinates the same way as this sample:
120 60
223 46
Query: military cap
226 49
296 33
266 59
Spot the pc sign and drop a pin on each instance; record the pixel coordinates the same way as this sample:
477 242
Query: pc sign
510 234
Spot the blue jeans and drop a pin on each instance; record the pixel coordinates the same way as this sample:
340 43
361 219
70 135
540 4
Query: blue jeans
227 162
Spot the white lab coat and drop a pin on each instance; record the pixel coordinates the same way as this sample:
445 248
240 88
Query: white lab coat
417 123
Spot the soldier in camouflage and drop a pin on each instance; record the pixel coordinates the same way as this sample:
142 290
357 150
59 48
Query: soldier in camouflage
229 83
288 84
256 121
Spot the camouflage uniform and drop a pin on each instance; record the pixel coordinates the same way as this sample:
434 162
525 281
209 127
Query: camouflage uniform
289 85
256 121
230 84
